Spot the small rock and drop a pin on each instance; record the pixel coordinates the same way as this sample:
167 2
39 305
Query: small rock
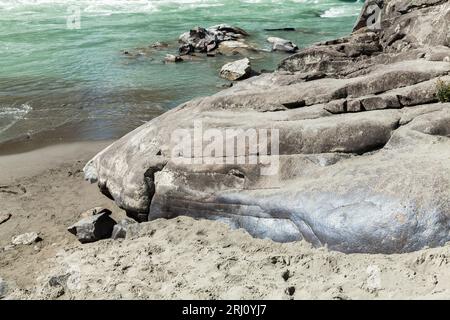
120 229
94 211
159 45
236 70
281 29
206 40
279 44
290 291
60 280
172 58
4 217
225 85
93 228
26 239
225 28
3 288
8 247
286 275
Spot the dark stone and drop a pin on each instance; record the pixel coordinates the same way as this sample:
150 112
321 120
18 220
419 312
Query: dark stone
93 228
290 291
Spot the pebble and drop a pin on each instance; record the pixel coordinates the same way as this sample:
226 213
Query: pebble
26 238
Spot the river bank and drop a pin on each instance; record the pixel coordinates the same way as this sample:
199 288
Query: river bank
180 258
60 84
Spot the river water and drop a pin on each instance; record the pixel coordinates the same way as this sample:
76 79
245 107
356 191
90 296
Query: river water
64 77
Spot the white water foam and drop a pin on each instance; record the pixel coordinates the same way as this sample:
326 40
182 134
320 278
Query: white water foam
337 12
13 115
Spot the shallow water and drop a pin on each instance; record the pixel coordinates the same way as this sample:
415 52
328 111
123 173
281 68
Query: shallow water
60 84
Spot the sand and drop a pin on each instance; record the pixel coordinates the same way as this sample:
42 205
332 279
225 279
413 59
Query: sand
182 258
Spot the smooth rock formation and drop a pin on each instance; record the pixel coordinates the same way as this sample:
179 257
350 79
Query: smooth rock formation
350 149
95 211
25 239
93 228
279 44
236 70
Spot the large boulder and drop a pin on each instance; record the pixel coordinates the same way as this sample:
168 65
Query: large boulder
345 145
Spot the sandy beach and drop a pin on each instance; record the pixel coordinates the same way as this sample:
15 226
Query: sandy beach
44 191
259 159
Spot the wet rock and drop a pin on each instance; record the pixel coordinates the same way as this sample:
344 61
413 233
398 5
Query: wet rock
159 45
364 101
172 58
207 40
236 70
279 44
234 47
4 217
120 229
26 239
93 228
225 29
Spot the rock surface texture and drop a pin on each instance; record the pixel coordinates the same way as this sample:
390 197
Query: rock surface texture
364 144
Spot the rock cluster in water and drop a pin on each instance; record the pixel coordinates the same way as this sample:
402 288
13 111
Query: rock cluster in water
364 144
207 40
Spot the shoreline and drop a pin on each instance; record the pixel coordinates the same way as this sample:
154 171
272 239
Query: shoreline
56 193
29 163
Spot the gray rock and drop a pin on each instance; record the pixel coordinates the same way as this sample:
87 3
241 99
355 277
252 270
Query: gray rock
94 211
363 160
120 229
279 44
236 70
207 40
172 58
233 47
93 228
26 239
225 28
8 247
3 288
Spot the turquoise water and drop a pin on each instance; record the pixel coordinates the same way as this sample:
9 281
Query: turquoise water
59 83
